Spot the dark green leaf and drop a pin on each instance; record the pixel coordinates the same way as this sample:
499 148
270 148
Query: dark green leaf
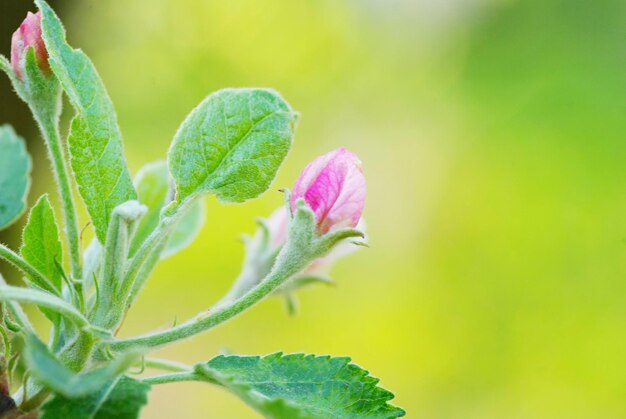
298 386
122 399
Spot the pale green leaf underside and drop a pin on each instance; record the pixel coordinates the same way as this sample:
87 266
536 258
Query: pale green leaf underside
15 168
232 144
187 229
153 189
152 184
298 386
121 399
41 246
95 142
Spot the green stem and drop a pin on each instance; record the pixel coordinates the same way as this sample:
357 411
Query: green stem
280 273
302 247
43 96
166 365
175 378
147 256
29 270
49 125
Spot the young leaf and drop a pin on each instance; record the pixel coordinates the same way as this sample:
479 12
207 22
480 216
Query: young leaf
92 261
232 144
49 371
186 230
298 386
41 246
15 168
153 189
95 141
152 184
121 399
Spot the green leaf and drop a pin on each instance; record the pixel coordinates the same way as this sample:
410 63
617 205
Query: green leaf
298 386
15 168
121 399
152 184
186 230
41 246
49 371
232 144
153 189
95 141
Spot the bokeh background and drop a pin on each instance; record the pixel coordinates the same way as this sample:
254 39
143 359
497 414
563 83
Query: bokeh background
492 134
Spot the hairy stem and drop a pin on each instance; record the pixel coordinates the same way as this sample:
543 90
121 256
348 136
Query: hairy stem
145 259
166 365
29 270
280 273
48 123
176 377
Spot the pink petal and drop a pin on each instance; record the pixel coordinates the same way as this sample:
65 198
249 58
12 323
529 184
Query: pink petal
333 186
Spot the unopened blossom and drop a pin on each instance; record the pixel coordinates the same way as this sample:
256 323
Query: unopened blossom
26 36
333 186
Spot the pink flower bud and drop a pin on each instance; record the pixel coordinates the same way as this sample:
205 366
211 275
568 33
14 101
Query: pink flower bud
29 35
333 186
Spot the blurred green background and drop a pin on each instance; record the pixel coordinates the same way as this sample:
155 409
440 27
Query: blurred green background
492 134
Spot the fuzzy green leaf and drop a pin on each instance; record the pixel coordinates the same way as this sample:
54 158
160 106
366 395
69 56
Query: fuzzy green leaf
232 144
15 168
153 189
41 246
49 371
95 141
298 386
121 399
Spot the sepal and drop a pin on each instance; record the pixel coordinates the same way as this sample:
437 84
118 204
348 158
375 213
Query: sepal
301 243
41 91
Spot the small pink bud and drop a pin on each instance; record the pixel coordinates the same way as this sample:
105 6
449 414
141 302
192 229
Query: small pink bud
29 35
333 186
